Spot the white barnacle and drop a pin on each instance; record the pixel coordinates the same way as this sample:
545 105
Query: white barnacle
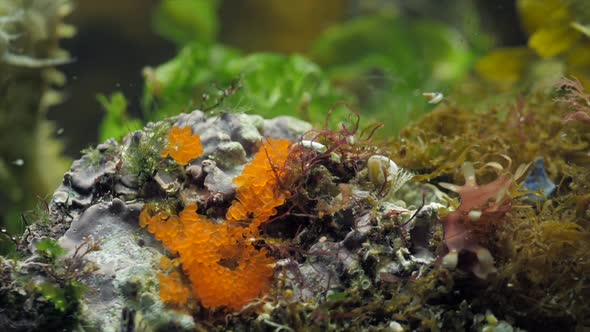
474 215
319 147
384 171
380 169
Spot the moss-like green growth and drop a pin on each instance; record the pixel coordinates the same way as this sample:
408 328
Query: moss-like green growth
541 250
544 254
142 158
92 157
525 130
117 122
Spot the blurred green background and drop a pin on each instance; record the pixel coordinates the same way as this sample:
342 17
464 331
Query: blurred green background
384 52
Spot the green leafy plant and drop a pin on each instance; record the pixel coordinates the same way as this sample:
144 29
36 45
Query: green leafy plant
284 85
64 298
143 159
62 287
50 249
178 84
270 84
116 123
386 61
380 63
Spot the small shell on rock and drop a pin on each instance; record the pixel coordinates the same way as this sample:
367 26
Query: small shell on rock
384 171
319 147
381 168
167 182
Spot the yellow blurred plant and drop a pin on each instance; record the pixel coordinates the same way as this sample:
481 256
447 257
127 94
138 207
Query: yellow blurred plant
558 34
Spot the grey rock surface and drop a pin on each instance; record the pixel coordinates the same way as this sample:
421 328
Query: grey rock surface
97 200
128 257
286 127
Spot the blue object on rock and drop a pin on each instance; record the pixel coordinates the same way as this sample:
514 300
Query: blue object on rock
538 180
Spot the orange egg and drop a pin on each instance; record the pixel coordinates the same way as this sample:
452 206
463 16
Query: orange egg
183 146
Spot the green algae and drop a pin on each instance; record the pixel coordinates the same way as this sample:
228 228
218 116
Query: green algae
141 159
528 128
117 122
541 250
545 262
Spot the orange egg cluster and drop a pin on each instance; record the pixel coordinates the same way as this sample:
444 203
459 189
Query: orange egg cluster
183 146
172 290
258 194
224 268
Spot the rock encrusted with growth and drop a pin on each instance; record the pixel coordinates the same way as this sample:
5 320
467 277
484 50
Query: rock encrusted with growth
234 221
104 192
101 198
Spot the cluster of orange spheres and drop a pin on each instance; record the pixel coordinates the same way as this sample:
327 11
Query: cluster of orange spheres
219 260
